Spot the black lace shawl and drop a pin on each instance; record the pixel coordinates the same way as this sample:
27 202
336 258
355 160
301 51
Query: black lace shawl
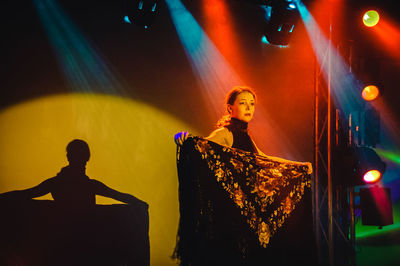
233 203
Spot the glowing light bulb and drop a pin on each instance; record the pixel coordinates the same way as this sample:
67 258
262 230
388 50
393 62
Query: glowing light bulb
372 176
370 93
371 18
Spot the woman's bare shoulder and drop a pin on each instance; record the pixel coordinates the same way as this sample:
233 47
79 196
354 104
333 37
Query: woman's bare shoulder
221 136
220 132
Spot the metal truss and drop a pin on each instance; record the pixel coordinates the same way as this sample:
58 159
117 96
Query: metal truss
331 203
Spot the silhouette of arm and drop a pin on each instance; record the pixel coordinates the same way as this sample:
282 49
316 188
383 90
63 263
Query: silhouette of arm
30 193
102 190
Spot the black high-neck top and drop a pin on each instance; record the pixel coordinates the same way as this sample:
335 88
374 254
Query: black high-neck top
241 138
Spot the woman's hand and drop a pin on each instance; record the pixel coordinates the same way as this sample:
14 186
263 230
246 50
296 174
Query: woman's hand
309 168
181 137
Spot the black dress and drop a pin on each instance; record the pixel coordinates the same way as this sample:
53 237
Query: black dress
241 138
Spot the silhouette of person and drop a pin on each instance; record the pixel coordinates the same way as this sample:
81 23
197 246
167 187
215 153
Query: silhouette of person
71 187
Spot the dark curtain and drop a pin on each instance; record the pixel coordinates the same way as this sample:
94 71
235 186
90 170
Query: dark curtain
40 233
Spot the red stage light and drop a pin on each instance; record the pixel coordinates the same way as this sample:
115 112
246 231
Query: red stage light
372 176
370 93
376 206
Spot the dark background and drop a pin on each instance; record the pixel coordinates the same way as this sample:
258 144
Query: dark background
151 65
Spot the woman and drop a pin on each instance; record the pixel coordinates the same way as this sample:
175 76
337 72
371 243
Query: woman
232 128
234 201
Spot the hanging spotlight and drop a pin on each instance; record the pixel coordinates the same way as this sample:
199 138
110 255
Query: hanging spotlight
372 176
358 166
369 71
370 92
291 5
281 17
140 12
371 18
369 166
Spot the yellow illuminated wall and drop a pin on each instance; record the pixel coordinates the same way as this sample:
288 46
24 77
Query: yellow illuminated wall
132 151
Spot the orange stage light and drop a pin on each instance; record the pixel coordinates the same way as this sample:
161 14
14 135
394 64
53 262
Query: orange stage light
370 93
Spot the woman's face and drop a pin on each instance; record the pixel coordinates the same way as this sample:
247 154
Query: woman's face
243 107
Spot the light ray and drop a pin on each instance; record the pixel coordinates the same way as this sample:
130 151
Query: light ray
217 77
82 65
212 70
345 86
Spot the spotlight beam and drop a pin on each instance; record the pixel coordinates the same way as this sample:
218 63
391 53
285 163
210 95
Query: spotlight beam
345 86
83 67
212 70
216 76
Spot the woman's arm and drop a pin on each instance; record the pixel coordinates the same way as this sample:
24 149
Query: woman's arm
281 160
221 136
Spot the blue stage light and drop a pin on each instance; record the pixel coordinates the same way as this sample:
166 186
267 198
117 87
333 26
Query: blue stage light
266 42
127 20
143 11
280 17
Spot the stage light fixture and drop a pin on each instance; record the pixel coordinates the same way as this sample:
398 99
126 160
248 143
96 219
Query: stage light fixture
281 17
369 165
370 93
371 18
291 6
357 166
140 12
372 176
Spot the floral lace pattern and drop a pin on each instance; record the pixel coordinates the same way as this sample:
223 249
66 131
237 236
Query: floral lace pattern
232 202
273 188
